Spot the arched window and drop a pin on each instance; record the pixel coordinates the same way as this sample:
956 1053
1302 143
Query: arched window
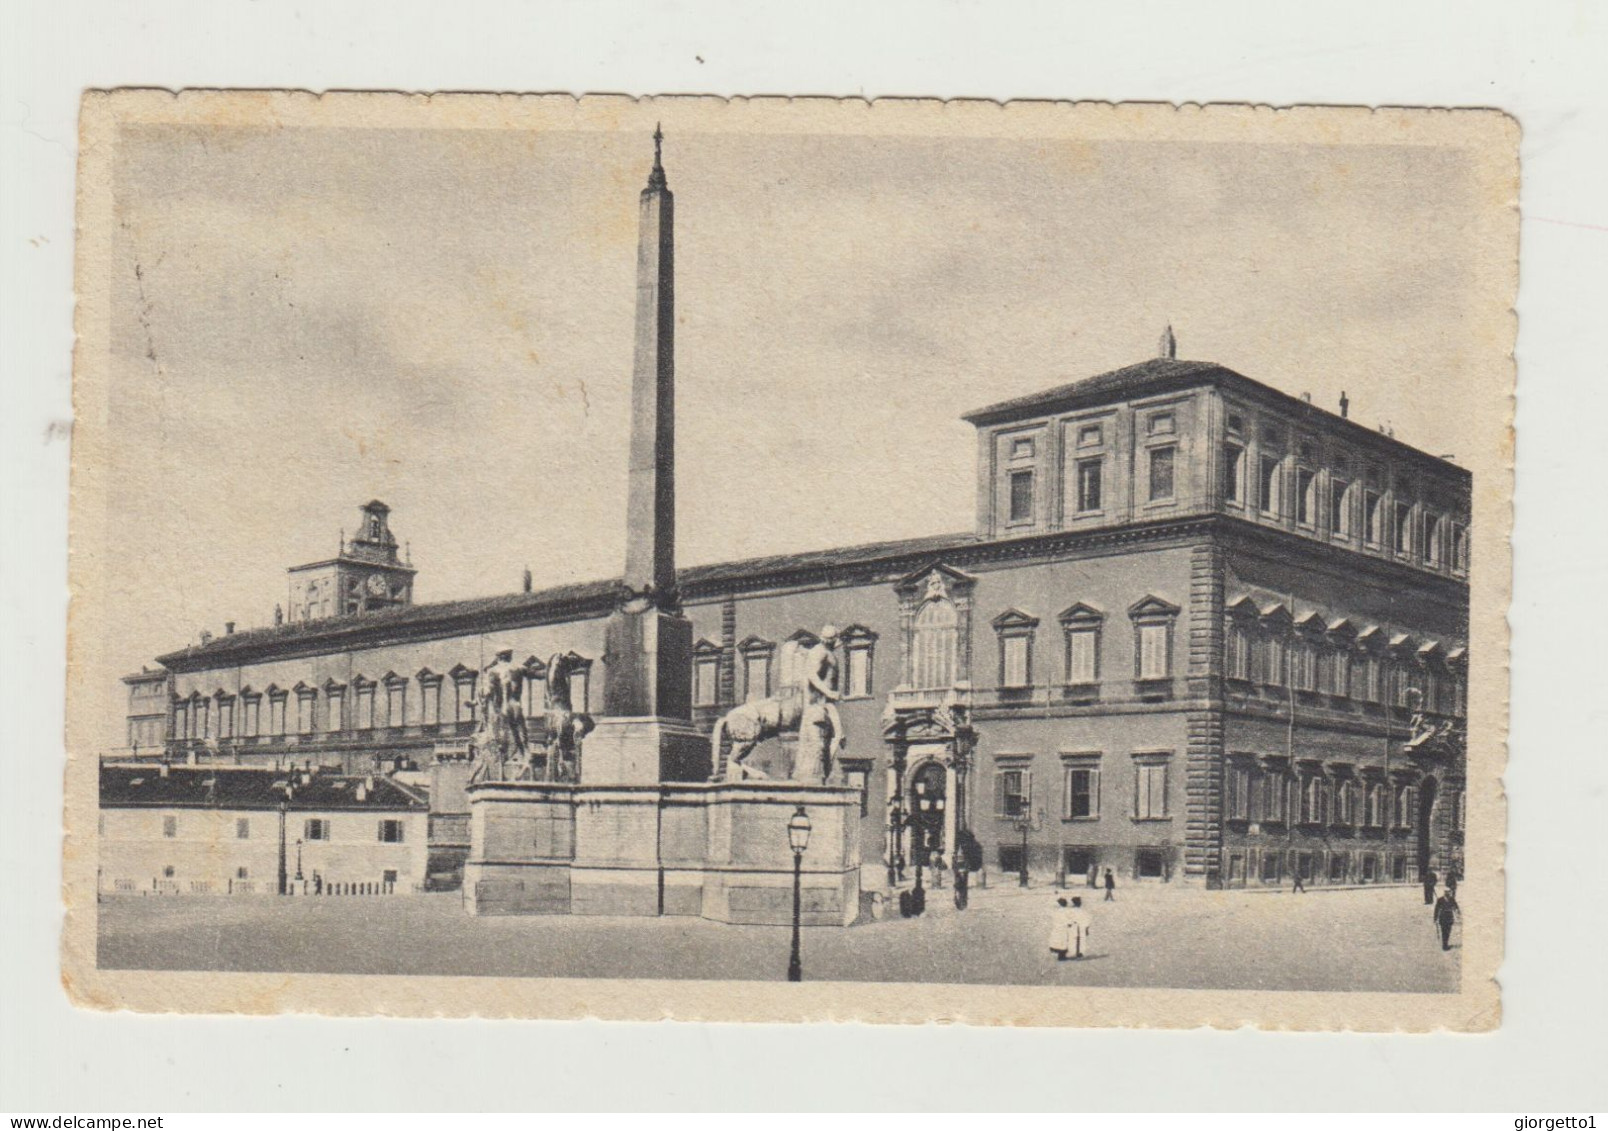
933 654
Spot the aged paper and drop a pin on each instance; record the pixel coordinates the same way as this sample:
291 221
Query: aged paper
790 560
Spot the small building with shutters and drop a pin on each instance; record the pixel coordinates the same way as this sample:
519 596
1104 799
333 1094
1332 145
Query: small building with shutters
231 830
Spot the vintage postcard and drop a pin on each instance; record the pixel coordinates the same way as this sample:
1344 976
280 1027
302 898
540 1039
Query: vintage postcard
778 559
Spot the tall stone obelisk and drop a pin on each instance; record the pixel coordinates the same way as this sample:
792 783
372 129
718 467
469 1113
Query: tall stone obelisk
646 734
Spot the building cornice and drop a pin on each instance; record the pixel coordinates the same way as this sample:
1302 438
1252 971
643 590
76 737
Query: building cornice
965 552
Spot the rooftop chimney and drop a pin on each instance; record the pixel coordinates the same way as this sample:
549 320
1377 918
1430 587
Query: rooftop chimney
1169 343
1307 397
228 628
527 579
1345 405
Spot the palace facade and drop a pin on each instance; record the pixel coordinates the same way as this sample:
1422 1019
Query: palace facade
1203 631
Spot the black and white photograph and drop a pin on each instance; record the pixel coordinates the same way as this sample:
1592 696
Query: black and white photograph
1053 547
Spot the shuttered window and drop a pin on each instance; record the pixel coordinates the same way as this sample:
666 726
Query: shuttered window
1153 651
1082 792
1013 792
1150 790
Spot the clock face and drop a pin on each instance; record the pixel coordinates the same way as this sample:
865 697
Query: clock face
376 584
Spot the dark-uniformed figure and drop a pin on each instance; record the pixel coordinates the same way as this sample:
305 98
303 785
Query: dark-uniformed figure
1110 886
1430 880
1445 915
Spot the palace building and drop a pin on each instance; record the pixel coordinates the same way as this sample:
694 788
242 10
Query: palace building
1202 632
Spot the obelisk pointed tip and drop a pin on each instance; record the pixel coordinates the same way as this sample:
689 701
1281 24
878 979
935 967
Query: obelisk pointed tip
656 177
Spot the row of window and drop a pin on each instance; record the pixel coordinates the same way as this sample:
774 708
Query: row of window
1081 788
1333 658
1267 653
1082 627
1088 469
1252 794
390 703
1339 499
1257 794
1348 503
1337 866
389 830
768 669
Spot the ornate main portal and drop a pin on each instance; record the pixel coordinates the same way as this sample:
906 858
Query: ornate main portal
930 748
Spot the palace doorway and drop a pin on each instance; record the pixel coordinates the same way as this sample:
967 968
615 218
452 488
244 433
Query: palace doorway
929 810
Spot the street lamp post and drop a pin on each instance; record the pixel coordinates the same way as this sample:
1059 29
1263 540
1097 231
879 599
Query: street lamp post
896 824
298 858
1026 821
965 742
283 879
798 839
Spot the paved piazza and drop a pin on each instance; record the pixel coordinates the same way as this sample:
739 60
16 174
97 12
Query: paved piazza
1377 939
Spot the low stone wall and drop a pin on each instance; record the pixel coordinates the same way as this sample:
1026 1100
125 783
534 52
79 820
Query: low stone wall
714 849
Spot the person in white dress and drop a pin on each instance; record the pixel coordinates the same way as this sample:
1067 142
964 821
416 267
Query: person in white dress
1060 936
1077 927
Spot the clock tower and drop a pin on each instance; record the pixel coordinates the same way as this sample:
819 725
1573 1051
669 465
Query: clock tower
365 576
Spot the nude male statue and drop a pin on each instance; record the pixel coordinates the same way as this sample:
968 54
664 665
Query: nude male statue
820 730
813 714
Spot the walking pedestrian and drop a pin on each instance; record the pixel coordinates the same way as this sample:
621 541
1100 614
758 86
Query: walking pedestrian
1059 928
1094 875
1077 926
1444 915
1110 886
1451 883
1295 878
1430 880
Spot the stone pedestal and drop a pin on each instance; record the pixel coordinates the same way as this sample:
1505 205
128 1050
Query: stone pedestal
643 752
649 665
716 850
646 735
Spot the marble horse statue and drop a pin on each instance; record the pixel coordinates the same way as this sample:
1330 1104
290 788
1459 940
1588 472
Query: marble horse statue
812 713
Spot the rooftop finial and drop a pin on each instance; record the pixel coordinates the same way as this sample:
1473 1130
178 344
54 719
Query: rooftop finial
1169 344
656 177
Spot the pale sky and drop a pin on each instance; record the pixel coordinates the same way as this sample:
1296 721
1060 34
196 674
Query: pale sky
304 319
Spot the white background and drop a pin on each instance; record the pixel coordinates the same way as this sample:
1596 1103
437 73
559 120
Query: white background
1543 61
